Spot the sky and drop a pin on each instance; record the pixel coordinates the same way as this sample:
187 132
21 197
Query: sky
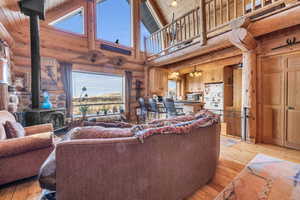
96 84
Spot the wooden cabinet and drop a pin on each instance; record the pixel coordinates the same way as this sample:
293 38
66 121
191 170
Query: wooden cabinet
194 84
158 81
213 75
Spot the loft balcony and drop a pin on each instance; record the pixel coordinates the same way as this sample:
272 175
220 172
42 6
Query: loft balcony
205 27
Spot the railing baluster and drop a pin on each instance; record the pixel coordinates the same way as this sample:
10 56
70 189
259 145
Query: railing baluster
235 8
209 27
197 20
215 13
221 12
227 9
194 23
184 28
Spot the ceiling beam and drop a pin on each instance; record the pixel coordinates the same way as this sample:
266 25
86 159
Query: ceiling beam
158 12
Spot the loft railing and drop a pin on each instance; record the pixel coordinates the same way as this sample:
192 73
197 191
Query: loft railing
221 12
196 25
183 31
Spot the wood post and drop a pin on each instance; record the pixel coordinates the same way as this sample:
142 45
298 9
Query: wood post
35 60
136 27
3 84
203 22
91 25
242 39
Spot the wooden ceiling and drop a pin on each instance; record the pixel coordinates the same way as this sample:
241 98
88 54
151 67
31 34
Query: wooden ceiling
183 7
11 17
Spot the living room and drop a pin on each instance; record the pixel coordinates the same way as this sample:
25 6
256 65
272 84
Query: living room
149 99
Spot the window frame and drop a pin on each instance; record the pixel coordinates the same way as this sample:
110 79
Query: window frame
111 42
69 14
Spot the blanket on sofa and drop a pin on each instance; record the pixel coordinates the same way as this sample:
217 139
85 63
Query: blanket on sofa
176 125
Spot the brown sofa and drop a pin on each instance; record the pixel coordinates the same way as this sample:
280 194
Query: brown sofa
22 157
164 167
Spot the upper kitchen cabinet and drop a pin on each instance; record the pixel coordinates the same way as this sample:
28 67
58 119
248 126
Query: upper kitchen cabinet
158 80
194 84
213 75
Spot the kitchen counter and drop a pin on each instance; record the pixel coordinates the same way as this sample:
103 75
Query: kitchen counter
191 106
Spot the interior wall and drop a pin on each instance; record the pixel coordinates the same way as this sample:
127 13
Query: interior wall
272 84
59 46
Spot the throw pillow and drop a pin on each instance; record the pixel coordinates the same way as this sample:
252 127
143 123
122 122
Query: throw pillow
14 129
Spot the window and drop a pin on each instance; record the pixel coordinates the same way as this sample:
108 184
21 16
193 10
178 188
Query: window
72 22
114 21
172 88
99 94
149 23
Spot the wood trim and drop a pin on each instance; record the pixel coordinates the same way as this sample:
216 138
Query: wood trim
5 35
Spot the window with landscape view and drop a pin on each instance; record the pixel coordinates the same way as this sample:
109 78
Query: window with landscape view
97 94
72 22
114 21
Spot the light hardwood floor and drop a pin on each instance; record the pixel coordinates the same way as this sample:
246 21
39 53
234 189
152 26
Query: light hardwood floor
232 161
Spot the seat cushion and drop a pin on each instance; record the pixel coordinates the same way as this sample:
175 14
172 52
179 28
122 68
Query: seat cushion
93 132
14 129
2 132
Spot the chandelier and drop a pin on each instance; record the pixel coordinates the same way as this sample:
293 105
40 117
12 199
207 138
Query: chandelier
195 73
174 3
174 75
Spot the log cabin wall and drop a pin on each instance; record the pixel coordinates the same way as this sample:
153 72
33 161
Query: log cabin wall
60 46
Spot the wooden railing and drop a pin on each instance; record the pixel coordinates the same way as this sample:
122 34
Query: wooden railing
221 12
195 26
181 32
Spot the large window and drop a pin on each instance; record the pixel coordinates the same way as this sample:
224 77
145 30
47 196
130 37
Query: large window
97 94
114 21
172 88
72 22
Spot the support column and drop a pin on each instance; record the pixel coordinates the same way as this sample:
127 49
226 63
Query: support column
242 39
136 28
91 25
249 94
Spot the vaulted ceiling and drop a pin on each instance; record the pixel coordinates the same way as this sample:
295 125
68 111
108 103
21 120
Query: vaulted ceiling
11 17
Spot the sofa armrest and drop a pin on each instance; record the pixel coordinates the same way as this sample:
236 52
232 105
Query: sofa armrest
42 128
15 146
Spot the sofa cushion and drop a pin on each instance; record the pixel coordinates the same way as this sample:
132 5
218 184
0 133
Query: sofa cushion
108 124
93 132
2 132
14 130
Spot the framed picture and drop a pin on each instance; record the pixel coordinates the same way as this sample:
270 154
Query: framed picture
49 74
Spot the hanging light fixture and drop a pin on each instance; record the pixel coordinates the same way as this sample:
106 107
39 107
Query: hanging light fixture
174 75
195 73
174 3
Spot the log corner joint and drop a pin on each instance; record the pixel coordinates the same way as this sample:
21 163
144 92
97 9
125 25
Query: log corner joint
240 36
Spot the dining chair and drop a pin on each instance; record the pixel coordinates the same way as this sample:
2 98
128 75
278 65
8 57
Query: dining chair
155 108
171 109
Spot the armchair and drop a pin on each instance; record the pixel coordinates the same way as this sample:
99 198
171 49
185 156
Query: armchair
22 157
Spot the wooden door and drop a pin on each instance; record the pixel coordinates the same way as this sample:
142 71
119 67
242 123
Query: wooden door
272 100
292 108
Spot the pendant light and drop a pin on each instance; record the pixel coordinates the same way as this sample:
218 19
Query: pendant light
195 73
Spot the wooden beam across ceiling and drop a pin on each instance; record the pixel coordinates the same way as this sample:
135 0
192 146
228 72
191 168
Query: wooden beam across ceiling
158 12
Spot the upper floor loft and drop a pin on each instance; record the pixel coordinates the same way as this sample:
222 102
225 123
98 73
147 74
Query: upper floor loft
207 27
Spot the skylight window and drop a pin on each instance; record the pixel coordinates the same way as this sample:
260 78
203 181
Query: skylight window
114 21
72 22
